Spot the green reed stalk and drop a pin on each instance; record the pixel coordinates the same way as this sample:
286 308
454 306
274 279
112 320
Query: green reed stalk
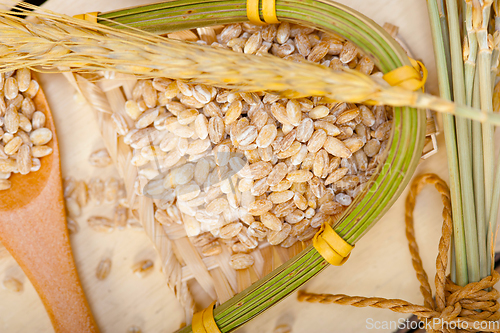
492 221
446 38
470 53
484 62
493 214
495 59
451 146
477 149
473 19
463 139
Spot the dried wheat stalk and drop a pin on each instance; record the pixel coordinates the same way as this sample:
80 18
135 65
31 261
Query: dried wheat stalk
62 43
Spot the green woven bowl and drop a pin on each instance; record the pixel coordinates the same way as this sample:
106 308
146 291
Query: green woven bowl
407 137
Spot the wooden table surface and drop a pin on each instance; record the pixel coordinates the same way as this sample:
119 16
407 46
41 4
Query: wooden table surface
380 264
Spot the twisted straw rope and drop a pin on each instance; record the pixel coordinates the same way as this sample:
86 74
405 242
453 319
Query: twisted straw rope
453 303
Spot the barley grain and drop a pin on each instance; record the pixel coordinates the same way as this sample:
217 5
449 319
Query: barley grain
259 187
12 284
32 89
111 190
266 136
41 136
283 209
247 135
241 261
294 112
230 230
336 147
120 217
266 154
161 84
201 126
299 227
229 32
103 269
259 207
11 120
24 123
260 169
343 199
23 76
278 110
353 144
13 145
317 141
96 190
308 234
253 43
24 161
72 225
11 88
143 268
5 184
27 107
365 65
283 32
134 329
367 116
202 239
216 129
303 44
280 197
203 94
295 217
217 206
211 249
132 109
72 207
299 176
349 52
271 221
290 151
100 158
233 112
277 237
319 51
383 131
305 130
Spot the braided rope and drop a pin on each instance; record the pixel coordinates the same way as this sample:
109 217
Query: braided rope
453 303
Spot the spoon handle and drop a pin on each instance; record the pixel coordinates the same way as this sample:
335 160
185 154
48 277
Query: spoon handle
37 237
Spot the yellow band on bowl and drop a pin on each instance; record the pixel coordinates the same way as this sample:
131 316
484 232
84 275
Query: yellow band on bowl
331 246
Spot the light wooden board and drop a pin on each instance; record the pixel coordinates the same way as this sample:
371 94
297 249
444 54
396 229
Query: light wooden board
379 266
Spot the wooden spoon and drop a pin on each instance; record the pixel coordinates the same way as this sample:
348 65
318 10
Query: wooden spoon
33 229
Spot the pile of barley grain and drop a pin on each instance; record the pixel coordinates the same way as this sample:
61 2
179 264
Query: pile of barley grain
22 130
243 169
